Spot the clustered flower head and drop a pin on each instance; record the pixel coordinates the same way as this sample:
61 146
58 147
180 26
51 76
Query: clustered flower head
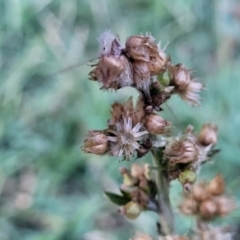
126 130
144 65
140 189
129 131
208 200
133 130
185 153
139 64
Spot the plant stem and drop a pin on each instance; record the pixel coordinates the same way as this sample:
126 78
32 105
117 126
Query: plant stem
165 211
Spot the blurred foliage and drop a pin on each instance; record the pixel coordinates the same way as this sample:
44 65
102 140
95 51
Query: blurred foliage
49 188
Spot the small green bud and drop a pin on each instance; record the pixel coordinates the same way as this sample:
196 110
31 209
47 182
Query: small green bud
187 176
132 210
164 79
128 180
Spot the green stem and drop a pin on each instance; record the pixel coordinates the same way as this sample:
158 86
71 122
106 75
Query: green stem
165 211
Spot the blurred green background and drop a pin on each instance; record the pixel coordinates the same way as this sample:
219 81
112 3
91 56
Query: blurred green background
49 189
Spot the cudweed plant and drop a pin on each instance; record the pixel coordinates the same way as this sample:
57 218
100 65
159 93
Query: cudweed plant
134 130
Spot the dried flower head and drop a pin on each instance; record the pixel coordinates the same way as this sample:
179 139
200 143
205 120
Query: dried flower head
156 125
185 153
96 142
141 47
208 134
157 65
206 202
113 72
125 138
189 206
187 88
180 76
127 110
216 186
200 192
181 151
208 209
191 93
126 132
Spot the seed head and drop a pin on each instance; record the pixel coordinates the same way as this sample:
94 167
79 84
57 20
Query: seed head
126 131
187 88
119 111
216 186
208 209
96 143
189 206
126 137
207 202
208 134
107 71
200 192
180 76
156 125
156 65
191 93
141 47
181 151
112 72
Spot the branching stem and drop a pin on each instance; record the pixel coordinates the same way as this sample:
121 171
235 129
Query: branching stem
165 211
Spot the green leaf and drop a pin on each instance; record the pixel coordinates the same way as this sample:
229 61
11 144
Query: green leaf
164 79
117 199
126 194
213 152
